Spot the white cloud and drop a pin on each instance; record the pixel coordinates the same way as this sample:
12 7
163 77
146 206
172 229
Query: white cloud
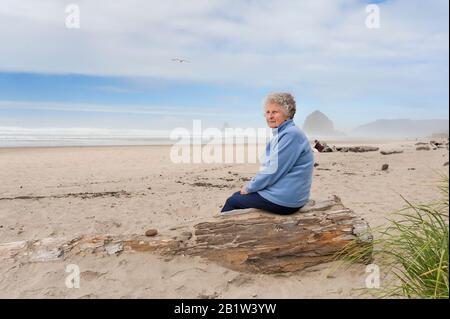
124 109
323 43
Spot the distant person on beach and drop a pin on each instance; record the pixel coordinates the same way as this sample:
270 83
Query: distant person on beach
283 184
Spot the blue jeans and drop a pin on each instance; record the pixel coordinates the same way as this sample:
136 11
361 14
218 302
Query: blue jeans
254 200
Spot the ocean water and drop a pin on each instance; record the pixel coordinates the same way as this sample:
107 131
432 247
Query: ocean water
20 137
28 137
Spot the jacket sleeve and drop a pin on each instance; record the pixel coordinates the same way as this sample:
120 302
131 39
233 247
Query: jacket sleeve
283 156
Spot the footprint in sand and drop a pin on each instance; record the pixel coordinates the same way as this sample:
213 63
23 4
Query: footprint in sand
240 280
214 295
90 275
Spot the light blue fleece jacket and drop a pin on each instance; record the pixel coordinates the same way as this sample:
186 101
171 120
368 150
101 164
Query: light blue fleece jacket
286 173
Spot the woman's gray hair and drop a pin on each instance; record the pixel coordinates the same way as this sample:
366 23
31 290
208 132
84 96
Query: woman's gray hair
285 100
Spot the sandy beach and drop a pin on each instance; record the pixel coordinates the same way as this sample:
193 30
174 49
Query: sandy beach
67 192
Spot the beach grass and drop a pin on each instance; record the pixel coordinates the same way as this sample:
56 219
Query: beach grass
411 250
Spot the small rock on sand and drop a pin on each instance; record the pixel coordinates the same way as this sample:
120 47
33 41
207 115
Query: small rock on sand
384 167
446 163
151 232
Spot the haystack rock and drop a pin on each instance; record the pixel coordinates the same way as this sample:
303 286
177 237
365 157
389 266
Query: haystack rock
319 124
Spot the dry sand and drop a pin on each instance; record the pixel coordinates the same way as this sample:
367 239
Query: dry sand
159 194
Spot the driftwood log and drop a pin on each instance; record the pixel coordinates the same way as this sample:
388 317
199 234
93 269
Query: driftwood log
246 240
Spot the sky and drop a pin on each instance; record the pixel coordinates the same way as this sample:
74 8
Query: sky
117 70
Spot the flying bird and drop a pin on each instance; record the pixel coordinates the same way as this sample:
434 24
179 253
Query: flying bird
180 60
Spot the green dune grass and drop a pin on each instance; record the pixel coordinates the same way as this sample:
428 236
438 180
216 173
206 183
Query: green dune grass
411 251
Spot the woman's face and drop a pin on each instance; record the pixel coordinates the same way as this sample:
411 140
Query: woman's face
275 115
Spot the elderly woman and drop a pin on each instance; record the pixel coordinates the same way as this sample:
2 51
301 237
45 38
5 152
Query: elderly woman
283 184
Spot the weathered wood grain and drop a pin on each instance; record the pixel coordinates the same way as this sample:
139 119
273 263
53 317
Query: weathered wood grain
245 240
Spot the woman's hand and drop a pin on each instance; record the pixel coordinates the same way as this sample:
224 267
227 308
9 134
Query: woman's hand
243 191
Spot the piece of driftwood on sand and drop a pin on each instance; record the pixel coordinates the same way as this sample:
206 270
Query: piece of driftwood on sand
246 240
